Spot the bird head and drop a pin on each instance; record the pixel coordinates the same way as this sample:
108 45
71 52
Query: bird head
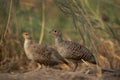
56 32
27 35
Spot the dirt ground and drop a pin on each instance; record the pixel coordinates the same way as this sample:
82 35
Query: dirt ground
56 74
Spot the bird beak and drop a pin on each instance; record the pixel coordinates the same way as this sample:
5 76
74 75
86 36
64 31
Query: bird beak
23 34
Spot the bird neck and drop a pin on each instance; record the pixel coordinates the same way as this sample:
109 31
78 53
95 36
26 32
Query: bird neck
28 42
58 39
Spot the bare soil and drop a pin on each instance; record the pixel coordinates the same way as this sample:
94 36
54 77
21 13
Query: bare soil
55 74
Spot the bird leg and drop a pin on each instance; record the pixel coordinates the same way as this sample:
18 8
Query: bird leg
39 66
84 62
76 65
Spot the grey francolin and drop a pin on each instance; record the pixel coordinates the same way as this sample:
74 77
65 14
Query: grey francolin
41 53
71 51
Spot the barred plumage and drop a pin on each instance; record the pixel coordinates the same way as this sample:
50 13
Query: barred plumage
71 50
41 53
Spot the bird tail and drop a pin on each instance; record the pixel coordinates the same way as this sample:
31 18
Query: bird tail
53 63
92 60
65 62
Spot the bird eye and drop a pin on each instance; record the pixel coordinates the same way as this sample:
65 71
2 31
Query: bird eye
55 31
26 34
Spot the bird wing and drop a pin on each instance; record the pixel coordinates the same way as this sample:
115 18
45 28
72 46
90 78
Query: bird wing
77 51
40 52
55 55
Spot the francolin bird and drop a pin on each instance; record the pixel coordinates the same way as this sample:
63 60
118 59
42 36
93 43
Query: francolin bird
72 51
41 53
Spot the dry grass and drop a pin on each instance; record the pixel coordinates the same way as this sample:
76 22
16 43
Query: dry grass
107 49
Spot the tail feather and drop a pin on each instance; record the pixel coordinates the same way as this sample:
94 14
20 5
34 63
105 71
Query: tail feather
92 59
53 63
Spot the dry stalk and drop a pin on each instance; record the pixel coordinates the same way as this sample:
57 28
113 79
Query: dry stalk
43 21
8 21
